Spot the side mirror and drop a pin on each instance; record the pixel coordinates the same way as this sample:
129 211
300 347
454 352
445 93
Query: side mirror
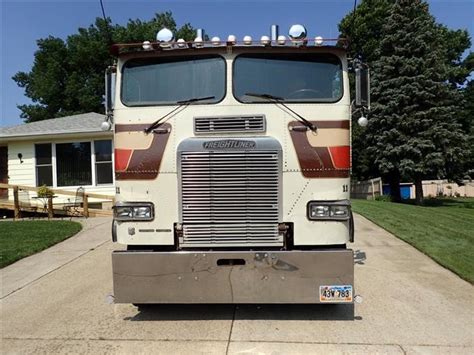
362 76
109 92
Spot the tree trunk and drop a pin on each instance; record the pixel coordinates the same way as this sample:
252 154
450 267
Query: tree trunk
418 190
394 182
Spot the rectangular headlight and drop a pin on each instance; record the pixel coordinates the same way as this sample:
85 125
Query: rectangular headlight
134 211
329 210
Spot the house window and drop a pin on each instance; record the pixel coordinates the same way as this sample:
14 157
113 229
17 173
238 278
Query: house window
44 165
103 162
73 164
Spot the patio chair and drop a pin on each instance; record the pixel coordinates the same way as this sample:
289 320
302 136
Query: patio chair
25 204
74 209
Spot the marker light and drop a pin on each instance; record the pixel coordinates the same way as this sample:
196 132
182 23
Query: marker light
281 40
147 46
181 43
265 40
198 42
164 36
216 41
318 41
231 39
362 121
247 40
105 126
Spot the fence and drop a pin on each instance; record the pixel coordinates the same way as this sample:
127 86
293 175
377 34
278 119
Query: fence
367 190
432 188
22 201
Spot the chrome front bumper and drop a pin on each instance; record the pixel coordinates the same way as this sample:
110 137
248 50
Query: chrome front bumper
228 276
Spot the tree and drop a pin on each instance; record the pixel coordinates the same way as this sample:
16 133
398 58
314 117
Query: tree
414 130
67 76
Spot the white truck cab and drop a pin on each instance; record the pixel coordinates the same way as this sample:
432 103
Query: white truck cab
232 163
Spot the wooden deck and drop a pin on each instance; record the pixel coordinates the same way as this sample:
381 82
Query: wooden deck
50 208
58 210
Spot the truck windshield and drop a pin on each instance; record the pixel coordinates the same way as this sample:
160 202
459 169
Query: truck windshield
296 77
167 80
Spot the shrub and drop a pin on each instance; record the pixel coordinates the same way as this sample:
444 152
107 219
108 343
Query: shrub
385 198
45 191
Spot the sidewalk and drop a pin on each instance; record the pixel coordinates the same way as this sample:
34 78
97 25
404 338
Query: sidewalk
95 231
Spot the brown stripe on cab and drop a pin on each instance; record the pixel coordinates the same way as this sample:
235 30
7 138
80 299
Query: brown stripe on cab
322 154
146 151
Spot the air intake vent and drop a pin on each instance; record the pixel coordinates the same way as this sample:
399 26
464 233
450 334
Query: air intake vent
229 124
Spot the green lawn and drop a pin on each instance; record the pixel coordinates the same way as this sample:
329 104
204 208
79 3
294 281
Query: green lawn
443 230
22 238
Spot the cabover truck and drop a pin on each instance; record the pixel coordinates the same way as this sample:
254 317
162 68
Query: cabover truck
232 169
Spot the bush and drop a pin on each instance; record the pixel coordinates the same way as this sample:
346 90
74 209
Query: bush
45 191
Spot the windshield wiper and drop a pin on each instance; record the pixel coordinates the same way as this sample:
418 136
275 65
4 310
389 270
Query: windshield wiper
279 100
182 103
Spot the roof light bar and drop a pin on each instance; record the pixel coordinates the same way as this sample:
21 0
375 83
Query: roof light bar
231 39
216 41
265 40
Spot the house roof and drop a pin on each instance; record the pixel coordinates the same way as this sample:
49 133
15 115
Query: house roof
83 123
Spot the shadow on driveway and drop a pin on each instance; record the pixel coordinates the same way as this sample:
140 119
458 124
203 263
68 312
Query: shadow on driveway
177 312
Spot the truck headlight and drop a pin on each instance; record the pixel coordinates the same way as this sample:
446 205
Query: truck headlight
134 211
329 210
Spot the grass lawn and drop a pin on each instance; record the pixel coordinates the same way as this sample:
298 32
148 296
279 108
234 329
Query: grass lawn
22 238
443 230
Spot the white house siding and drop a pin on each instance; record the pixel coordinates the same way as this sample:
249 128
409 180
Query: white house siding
25 173
21 173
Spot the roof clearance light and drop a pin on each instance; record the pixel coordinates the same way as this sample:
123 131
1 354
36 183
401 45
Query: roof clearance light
265 40
297 33
281 40
247 40
181 43
147 46
318 41
198 42
231 39
216 41
164 36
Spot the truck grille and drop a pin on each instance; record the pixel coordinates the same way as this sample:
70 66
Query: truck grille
229 124
230 198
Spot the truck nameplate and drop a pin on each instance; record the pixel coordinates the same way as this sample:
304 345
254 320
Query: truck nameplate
229 144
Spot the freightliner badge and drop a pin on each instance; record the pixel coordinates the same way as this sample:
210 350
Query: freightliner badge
229 144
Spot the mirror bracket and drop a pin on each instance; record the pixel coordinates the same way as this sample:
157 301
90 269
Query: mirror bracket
362 84
109 72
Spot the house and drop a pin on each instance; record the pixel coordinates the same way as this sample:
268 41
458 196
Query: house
62 153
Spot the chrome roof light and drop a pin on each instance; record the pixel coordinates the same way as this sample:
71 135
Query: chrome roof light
164 37
297 33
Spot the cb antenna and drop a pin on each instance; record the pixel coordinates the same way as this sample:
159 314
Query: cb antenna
107 28
352 22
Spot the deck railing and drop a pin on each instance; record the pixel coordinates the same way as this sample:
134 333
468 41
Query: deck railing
85 200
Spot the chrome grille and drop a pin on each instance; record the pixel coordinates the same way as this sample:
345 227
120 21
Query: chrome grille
230 198
229 124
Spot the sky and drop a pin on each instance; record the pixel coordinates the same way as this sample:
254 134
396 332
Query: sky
23 22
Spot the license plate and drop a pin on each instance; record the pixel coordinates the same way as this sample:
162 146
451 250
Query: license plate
335 293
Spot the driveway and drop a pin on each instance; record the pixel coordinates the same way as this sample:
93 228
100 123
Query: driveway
55 302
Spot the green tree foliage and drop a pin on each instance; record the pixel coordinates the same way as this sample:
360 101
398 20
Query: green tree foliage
67 76
416 127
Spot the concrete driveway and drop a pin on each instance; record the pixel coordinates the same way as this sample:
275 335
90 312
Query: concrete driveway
55 302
